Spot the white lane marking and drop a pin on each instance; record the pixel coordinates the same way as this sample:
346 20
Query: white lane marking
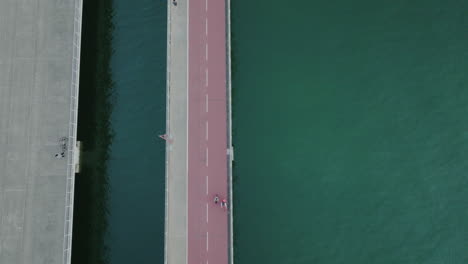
186 159
206 130
206 51
207 157
206 184
207 212
206 27
206 103
206 76
206 5
206 240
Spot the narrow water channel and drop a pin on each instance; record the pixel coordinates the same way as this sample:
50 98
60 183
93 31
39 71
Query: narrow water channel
119 196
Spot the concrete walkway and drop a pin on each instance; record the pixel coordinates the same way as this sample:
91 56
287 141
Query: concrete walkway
198 230
39 74
176 147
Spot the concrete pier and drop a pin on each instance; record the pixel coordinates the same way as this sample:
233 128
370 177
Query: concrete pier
39 74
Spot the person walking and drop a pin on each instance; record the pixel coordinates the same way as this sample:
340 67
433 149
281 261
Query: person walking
224 203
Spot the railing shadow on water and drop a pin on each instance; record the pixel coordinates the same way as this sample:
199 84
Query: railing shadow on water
94 131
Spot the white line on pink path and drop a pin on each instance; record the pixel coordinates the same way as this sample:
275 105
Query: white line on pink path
206 184
206 240
207 212
206 51
206 75
207 157
206 27
187 146
206 130
206 5
206 103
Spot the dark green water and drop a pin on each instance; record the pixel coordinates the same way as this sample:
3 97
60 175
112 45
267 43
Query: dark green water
94 131
119 204
351 131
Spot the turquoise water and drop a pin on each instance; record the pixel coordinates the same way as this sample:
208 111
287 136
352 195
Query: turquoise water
351 131
120 193
137 155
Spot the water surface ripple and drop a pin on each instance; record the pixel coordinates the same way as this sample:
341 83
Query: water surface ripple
351 131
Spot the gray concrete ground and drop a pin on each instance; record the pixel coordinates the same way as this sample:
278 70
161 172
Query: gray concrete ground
38 89
176 150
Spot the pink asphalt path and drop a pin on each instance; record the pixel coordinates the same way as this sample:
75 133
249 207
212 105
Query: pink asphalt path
207 132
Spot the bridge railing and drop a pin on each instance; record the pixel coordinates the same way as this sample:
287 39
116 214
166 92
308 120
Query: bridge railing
229 130
72 130
168 132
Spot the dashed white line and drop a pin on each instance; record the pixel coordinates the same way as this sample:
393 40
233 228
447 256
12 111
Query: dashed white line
206 103
206 240
206 27
187 136
206 184
206 131
206 5
207 212
206 51
206 76
206 157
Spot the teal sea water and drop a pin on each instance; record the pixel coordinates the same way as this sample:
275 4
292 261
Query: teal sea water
119 214
350 131
137 154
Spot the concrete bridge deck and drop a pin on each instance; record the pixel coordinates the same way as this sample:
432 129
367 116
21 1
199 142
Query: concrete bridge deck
199 152
39 74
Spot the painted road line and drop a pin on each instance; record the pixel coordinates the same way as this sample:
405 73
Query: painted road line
187 138
206 103
206 130
206 240
207 212
206 157
206 5
206 27
206 184
206 51
206 76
